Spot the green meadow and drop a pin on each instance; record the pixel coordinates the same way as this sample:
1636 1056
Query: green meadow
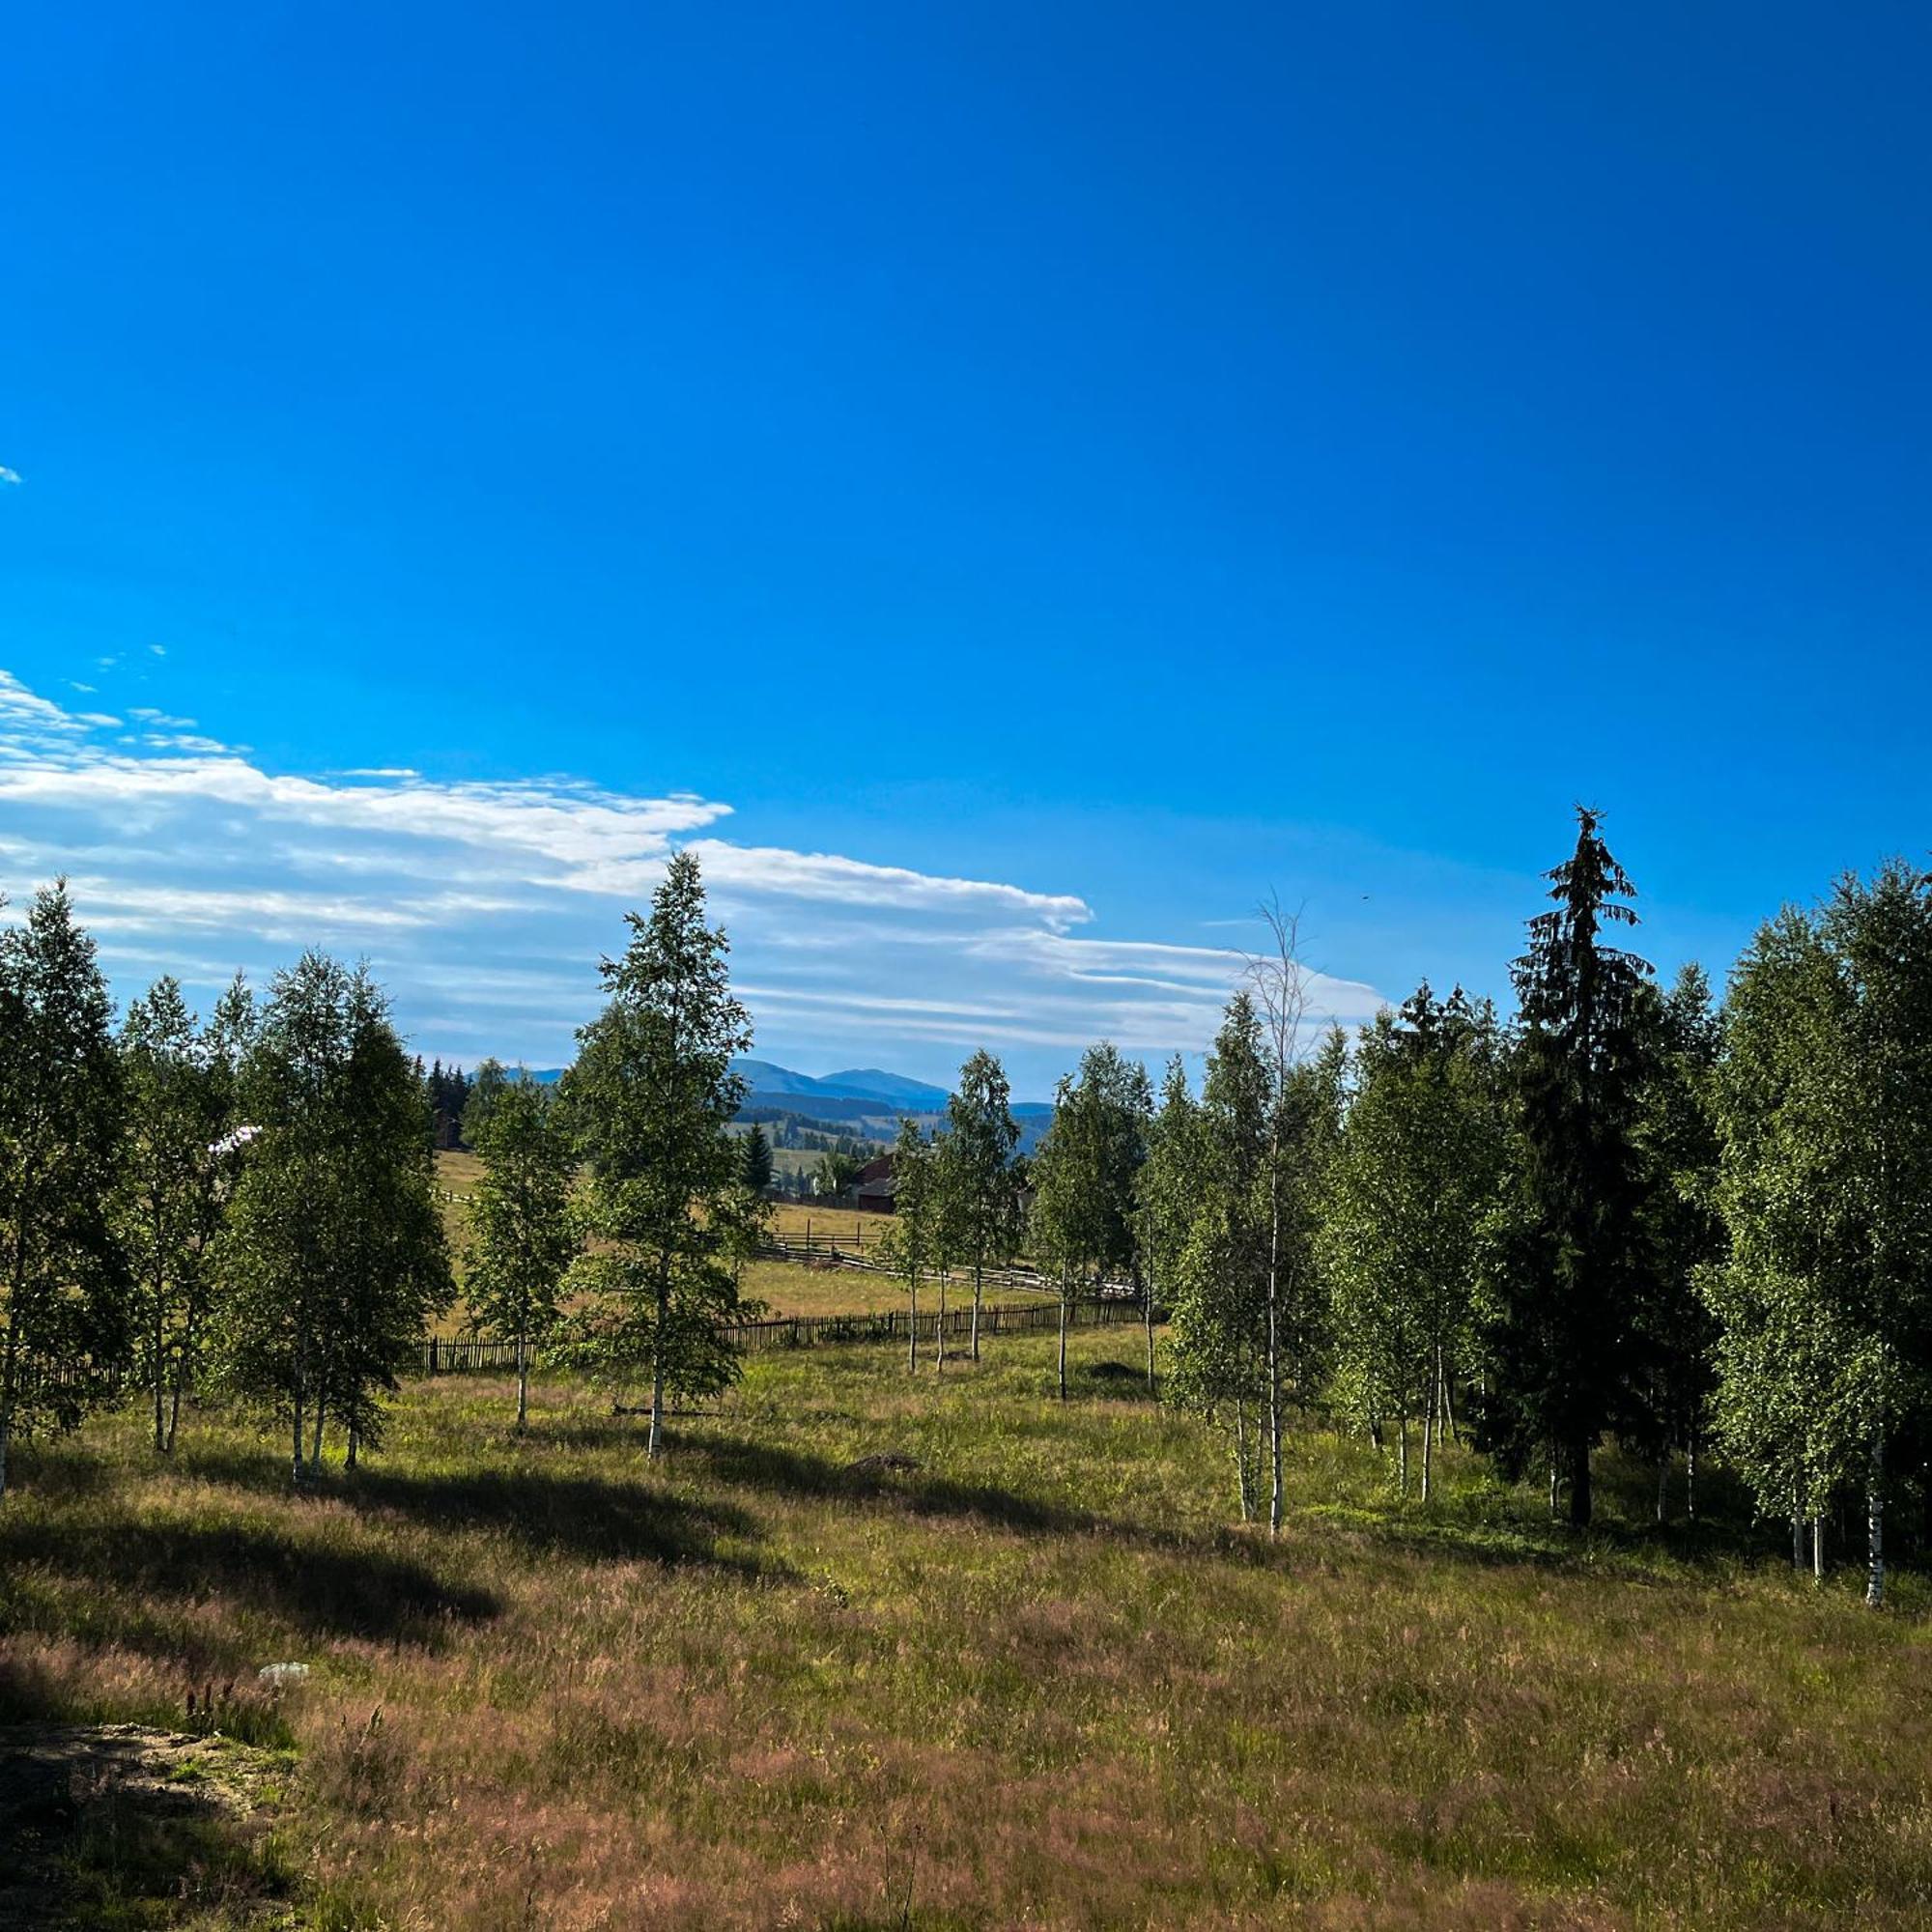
1039 1679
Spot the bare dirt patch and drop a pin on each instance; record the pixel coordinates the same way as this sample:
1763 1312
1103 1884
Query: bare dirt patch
125 1810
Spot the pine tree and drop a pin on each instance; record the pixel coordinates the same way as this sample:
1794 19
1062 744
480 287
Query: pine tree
1566 1266
179 1095
523 1230
976 1179
654 1096
63 1275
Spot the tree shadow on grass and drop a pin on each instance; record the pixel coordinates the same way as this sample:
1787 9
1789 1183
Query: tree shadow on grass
767 1465
582 1518
579 1517
318 1589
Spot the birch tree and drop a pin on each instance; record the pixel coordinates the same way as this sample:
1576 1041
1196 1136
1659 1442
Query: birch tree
654 1096
522 1227
1084 1178
1416 1168
63 1276
977 1179
1218 1354
1172 1186
336 1257
913 1242
1826 1097
179 1087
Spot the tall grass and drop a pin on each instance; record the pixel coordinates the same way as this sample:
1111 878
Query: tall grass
1041 1680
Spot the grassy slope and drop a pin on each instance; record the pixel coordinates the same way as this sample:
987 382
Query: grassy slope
1038 1682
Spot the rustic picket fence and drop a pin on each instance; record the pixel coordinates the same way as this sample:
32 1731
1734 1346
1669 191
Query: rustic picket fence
472 1354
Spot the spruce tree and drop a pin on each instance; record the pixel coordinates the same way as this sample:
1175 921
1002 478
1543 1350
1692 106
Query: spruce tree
1566 1269
754 1159
63 1275
654 1096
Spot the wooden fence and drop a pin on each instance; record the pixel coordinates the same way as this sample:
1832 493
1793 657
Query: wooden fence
471 1355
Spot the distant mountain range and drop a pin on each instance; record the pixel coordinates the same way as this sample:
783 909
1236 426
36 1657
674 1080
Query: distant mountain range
863 1099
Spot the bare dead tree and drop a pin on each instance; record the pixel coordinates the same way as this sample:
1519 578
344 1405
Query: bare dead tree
1283 988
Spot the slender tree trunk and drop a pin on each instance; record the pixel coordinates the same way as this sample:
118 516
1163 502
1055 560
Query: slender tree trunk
9 1379
1064 1302
1690 1477
978 1277
354 1444
522 1381
1875 1522
939 1356
160 1374
1662 1485
1552 1482
296 1460
1152 1390
1580 1485
655 1442
315 1441
180 1390
1401 1457
911 1324
1818 1547
1797 1536
1274 1337
1428 1437
1448 1382
1241 1462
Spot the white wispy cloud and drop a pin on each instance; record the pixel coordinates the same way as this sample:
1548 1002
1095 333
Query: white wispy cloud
486 906
9 475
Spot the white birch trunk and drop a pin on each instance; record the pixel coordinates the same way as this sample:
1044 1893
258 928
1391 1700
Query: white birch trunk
1875 1522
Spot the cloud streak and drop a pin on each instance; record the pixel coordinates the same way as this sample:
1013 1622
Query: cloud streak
486 906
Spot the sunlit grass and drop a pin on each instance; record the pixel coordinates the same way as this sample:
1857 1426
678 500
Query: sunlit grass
1041 1679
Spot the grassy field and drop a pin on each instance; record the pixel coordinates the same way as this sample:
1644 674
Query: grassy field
1039 1680
784 1289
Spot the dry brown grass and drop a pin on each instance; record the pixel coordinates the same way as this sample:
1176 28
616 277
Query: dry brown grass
1041 1681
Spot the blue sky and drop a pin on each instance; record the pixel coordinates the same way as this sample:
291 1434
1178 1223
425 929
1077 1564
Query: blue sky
1015 483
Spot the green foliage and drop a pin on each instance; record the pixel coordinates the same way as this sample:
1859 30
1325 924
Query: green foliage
63 1276
915 1239
337 1257
755 1161
654 1096
978 1181
523 1232
1565 1265
179 1089
479 1103
1414 1174
1826 1096
1084 1171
